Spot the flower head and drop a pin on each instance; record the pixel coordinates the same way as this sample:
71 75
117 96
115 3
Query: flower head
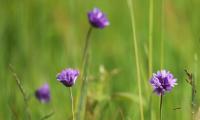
68 77
97 18
163 81
43 93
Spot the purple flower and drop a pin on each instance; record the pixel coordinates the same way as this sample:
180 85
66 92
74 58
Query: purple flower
43 93
163 81
68 77
97 18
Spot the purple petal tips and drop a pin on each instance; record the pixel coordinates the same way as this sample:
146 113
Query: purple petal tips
68 77
163 81
97 18
43 93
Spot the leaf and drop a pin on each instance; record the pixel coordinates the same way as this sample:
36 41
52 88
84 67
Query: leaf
47 116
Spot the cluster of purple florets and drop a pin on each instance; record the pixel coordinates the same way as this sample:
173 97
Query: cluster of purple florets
162 81
97 18
68 77
43 93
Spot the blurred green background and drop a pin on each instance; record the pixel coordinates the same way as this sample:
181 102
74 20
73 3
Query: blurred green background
42 37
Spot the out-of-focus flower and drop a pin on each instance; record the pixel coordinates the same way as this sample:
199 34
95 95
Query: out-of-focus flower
97 18
163 81
68 77
43 93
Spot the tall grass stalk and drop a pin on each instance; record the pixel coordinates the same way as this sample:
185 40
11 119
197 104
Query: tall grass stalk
194 85
193 99
150 36
191 80
21 88
150 106
130 6
195 68
84 77
162 34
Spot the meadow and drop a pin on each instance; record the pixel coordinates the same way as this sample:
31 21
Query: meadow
40 38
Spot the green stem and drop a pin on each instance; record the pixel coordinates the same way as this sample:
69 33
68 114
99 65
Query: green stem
72 102
162 34
150 36
161 101
84 76
130 6
86 47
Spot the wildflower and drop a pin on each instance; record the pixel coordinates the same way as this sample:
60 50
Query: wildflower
97 18
68 77
43 93
163 81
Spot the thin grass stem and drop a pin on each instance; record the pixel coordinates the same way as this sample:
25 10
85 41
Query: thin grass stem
130 6
194 83
162 34
150 105
150 36
21 88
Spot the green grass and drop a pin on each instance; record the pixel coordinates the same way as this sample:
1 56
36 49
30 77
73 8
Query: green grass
40 38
